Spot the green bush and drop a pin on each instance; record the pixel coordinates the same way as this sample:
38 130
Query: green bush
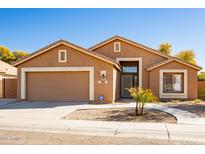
202 94
196 101
141 97
201 76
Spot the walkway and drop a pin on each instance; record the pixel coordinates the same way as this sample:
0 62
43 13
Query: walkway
183 117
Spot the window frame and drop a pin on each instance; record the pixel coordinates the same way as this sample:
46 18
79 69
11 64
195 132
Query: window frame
172 95
59 56
131 71
117 43
172 74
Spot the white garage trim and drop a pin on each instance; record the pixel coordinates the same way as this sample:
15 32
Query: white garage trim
140 66
57 69
173 95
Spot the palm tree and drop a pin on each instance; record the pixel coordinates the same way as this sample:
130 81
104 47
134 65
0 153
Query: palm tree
141 97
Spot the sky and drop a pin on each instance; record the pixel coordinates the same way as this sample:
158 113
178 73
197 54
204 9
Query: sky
31 29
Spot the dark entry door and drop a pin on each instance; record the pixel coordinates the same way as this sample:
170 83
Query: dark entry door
129 77
126 82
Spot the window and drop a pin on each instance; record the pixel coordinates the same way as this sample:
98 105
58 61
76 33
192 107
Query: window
62 56
129 69
117 47
173 82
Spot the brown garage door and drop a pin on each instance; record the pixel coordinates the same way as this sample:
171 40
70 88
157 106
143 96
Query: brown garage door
57 86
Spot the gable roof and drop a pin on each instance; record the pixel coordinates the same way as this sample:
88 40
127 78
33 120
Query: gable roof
159 64
6 69
164 62
129 42
145 48
64 42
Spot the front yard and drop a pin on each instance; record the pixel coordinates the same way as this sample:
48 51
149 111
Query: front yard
120 114
195 108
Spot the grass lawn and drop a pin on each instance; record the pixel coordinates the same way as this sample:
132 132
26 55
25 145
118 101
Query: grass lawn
120 114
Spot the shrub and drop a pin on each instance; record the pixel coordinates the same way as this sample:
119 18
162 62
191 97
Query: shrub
141 97
202 94
197 101
201 76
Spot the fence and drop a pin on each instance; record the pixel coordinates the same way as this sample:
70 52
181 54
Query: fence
9 87
201 87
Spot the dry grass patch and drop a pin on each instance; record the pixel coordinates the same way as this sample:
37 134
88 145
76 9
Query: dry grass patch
120 114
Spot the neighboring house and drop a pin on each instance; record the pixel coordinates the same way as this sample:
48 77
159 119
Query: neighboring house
63 71
7 87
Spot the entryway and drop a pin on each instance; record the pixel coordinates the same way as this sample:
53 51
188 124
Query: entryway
129 77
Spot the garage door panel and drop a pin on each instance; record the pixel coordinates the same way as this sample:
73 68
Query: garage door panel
57 86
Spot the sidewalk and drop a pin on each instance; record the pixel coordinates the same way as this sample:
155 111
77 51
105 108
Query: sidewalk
47 117
183 117
113 129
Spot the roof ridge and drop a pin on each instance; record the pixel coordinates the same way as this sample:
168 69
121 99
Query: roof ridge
144 46
99 56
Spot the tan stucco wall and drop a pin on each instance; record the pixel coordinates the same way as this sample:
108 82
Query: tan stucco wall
7 69
192 79
75 59
131 51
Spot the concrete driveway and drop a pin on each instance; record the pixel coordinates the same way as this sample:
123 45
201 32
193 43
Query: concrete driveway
38 110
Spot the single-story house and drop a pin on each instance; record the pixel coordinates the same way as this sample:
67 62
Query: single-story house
8 75
63 71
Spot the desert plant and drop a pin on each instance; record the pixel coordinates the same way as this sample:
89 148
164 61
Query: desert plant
196 101
201 76
141 97
202 94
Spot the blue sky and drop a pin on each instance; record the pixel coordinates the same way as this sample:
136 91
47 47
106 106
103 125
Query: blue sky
31 29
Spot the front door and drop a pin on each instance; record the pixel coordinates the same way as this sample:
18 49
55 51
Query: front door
129 77
126 82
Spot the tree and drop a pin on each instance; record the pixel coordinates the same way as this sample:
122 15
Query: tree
187 55
6 55
20 54
165 48
201 76
141 97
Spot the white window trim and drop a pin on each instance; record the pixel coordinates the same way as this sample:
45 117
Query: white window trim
57 69
173 95
119 46
140 66
59 56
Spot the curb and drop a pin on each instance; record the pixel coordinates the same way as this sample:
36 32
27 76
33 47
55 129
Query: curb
117 131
